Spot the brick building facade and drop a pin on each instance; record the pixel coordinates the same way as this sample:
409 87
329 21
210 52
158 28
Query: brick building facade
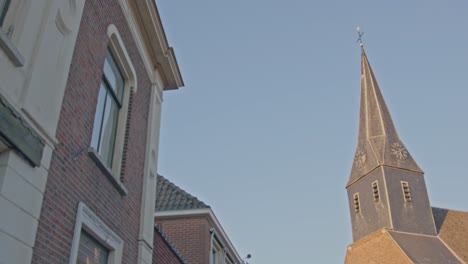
80 104
112 191
74 180
192 226
190 234
164 252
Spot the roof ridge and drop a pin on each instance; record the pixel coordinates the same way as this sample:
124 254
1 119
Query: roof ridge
448 209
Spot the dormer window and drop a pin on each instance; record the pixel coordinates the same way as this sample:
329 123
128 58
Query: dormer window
406 191
357 206
375 191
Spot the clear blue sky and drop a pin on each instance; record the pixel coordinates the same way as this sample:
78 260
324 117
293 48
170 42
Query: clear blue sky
265 129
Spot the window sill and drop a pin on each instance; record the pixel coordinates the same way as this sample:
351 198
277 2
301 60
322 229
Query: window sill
10 50
112 178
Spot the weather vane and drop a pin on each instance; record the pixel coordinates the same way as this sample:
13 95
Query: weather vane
358 29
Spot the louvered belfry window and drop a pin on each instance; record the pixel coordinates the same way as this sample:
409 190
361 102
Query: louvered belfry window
406 191
91 251
357 205
375 191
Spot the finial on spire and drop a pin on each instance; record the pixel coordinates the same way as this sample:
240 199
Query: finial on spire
358 29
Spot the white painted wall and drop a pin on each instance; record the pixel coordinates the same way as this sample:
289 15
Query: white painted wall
45 38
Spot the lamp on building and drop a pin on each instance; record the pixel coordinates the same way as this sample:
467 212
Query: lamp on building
244 260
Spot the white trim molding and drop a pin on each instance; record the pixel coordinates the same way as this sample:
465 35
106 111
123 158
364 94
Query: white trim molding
148 32
146 233
120 54
11 51
117 46
88 221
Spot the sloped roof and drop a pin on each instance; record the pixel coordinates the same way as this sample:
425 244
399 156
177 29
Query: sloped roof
386 246
452 227
170 197
424 249
378 248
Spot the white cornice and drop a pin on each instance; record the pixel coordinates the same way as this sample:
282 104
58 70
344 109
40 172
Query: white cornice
148 32
211 215
164 57
126 9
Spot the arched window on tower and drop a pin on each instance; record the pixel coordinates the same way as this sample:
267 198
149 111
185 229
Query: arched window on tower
375 191
357 206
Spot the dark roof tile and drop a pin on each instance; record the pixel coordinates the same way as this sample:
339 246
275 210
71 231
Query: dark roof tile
171 197
424 249
452 226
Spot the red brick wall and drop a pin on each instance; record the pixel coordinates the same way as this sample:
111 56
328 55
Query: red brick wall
71 181
162 251
190 236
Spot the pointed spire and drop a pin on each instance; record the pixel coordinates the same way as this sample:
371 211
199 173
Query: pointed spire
378 141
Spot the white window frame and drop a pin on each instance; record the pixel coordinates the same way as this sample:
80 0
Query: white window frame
221 253
217 249
228 260
7 40
112 97
119 52
88 221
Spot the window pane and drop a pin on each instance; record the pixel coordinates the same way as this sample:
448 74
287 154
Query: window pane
109 125
113 76
98 117
213 256
91 251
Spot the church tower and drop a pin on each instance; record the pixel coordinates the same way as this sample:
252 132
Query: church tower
386 188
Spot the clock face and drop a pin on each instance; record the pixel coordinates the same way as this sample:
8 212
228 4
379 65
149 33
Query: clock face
398 151
360 159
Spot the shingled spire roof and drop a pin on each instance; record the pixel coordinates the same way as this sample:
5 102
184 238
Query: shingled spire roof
170 197
378 141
